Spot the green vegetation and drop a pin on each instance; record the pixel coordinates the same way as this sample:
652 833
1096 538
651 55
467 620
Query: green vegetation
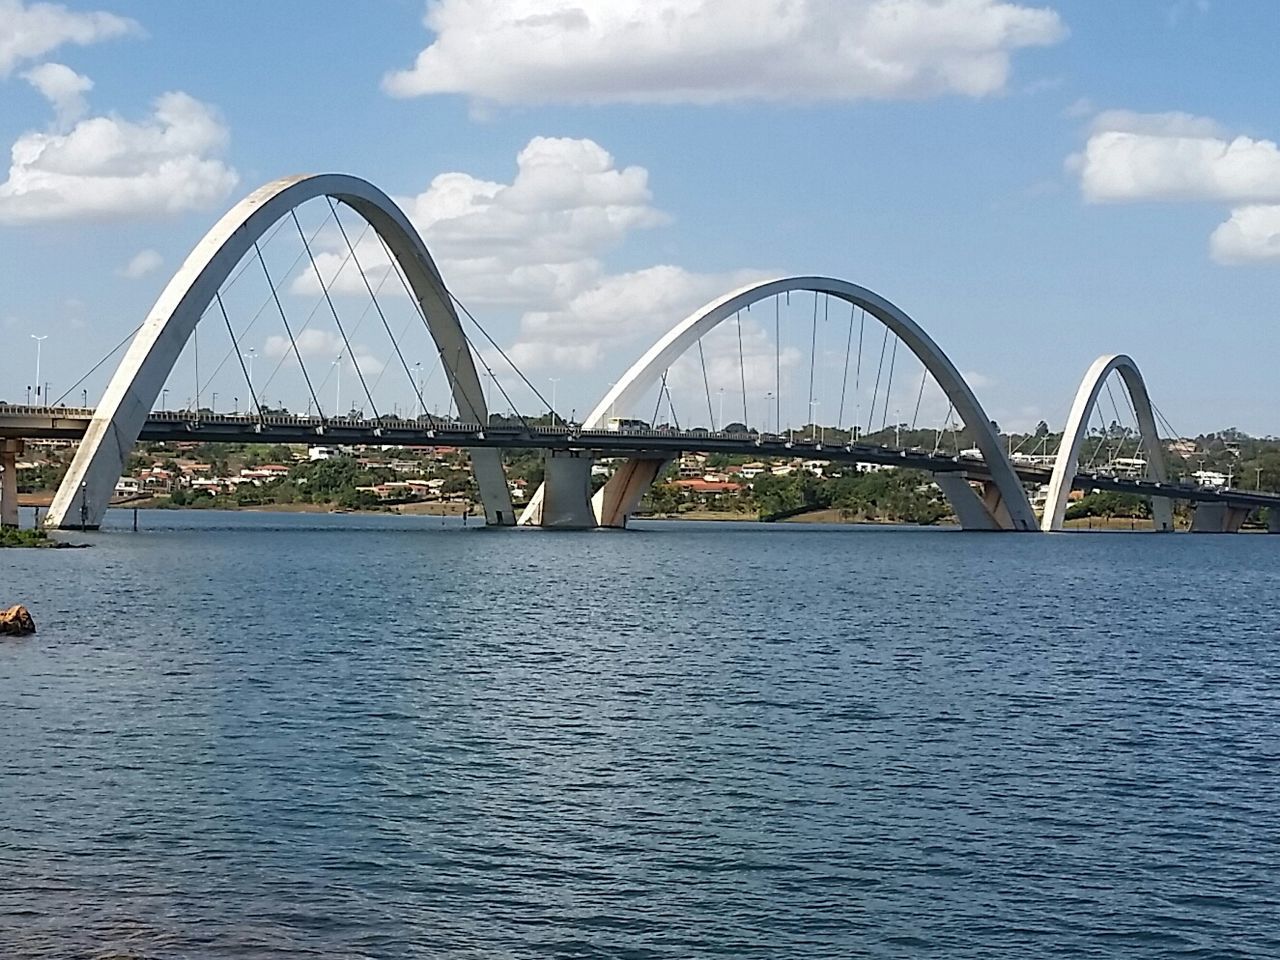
1109 505
890 496
13 537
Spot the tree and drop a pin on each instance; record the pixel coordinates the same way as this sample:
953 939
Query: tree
1042 430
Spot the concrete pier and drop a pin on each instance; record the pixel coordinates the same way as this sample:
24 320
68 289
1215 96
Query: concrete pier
9 452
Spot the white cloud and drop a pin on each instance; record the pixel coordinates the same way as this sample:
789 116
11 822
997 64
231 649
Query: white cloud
1251 234
1174 156
29 31
63 88
110 168
1179 157
612 313
143 263
709 51
324 345
533 243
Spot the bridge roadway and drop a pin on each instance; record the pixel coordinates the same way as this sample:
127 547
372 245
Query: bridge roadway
70 423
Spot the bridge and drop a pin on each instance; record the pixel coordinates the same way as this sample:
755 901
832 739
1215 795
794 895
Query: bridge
986 487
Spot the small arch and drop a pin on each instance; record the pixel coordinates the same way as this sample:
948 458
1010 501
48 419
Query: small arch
1073 434
645 373
86 490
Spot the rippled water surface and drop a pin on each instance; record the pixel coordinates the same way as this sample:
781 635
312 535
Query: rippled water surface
247 736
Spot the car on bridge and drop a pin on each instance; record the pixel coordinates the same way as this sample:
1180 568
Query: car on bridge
625 425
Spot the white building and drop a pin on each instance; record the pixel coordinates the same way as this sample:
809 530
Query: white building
1210 479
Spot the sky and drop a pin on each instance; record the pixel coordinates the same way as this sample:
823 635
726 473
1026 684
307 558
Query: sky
1034 183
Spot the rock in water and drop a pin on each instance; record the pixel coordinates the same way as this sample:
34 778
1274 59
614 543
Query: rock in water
16 622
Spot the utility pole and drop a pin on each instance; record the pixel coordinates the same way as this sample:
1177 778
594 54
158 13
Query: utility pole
337 390
39 343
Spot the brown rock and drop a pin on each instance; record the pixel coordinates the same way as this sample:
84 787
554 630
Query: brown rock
16 622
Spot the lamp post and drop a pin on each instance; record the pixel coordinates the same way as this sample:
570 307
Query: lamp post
214 408
422 404
721 416
249 358
39 343
164 398
768 405
337 390
555 382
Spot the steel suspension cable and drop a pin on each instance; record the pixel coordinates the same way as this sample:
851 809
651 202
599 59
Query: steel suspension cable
107 356
463 307
328 298
777 365
924 375
813 354
844 380
306 324
875 391
742 370
285 320
253 399
706 385
937 440
374 297
265 303
888 389
657 407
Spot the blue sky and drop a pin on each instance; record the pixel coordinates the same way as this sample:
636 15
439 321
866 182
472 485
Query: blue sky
1036 183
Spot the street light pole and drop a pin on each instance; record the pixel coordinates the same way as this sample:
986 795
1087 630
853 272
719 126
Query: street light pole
249 357
555 382
39 343
337 390
422 404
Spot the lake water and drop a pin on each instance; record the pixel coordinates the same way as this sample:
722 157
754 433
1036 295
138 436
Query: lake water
279 736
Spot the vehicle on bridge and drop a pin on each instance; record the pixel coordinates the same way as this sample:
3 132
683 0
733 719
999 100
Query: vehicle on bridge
625 425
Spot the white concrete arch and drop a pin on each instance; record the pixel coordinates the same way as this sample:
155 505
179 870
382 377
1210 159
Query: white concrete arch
87 488
1013 511
1067 462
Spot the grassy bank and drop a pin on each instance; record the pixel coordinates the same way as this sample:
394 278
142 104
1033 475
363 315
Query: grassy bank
13 537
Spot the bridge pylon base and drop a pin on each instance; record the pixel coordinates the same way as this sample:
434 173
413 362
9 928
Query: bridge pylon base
566 501
1218 518
985 510
9 450
621 496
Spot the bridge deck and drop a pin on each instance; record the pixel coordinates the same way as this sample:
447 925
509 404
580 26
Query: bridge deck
71 423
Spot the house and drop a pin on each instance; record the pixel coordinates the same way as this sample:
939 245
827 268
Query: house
128 486
710 487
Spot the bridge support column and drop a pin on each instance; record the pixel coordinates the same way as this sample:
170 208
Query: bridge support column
1273 520
566 502
985 511
620 497
9 451
491 481
1162 515
1218 517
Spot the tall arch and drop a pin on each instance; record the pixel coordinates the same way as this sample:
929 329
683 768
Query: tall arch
1073 434
1015 509
87 488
